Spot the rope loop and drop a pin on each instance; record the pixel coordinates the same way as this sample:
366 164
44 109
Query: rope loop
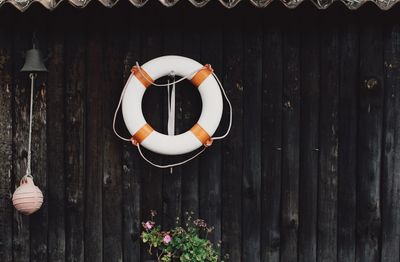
137 69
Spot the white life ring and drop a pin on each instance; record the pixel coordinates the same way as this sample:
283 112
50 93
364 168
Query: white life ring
212 105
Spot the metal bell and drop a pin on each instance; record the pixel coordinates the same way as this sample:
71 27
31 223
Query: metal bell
33 61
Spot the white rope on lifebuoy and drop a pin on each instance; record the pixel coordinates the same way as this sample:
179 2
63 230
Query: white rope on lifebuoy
210 89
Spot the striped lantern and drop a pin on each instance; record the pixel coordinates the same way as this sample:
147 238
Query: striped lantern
27 198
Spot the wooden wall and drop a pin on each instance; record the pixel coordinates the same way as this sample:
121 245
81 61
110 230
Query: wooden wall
310 171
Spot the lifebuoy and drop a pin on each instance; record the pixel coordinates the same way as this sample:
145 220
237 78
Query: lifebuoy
212 105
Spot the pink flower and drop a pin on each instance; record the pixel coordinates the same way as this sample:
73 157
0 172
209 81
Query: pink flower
167 239
148 225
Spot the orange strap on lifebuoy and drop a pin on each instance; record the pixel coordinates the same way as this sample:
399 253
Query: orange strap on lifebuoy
201 75
141 134
201 135
142 76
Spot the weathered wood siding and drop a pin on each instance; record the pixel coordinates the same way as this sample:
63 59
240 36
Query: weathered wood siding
310 171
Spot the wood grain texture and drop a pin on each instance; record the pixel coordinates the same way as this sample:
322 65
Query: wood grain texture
309 171
251 183
309 145
6 139
290 146
390 196
39 220
210 161
328 143
112 153
131 176
94 148
21 233
152 106
232 155
271 144
55 148
347 144
74 100
172 202
191 108
370 119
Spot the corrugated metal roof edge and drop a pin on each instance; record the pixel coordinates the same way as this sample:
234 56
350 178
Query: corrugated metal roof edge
23 5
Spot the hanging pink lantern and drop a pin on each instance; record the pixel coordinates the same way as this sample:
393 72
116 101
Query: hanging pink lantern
27 198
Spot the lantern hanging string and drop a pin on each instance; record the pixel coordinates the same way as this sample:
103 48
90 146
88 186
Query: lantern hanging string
167 85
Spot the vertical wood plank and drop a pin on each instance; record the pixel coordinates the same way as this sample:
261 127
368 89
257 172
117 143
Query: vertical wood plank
290 145
94 149
74 100
328 140
232 155
152 178
39 220
55 148
190 171
172 181
272 144
309 146
21 235
6 135
112 156
347 143
191 107
369 144
252 93
210 161
391 141
132 169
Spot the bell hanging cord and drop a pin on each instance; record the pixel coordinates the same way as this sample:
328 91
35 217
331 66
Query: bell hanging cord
32 76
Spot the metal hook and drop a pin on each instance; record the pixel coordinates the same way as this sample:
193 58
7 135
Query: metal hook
34 39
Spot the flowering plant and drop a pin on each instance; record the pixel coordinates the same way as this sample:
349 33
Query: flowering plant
186 243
